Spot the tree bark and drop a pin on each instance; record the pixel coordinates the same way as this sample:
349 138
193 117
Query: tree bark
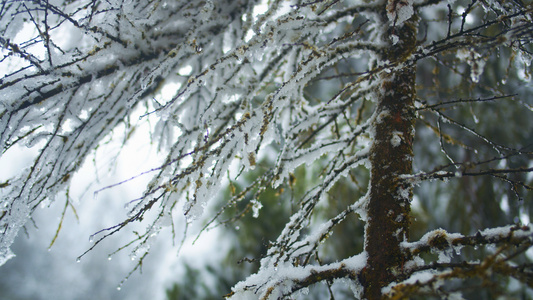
391 156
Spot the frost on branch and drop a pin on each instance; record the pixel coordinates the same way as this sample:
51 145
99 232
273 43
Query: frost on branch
399 11
126 52
505 242
333 87
67 97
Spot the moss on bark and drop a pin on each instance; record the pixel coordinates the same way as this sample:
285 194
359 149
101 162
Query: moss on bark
391 156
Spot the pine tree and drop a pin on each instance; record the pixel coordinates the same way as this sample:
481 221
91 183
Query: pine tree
385 98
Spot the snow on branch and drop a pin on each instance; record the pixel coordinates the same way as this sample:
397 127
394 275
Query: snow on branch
281 281
510 241
441 240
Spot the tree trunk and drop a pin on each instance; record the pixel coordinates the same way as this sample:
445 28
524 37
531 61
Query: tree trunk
391 156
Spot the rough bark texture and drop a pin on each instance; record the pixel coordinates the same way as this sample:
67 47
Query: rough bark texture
391 156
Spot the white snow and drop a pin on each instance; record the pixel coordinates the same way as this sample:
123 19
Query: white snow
276 281
396 138
399 11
